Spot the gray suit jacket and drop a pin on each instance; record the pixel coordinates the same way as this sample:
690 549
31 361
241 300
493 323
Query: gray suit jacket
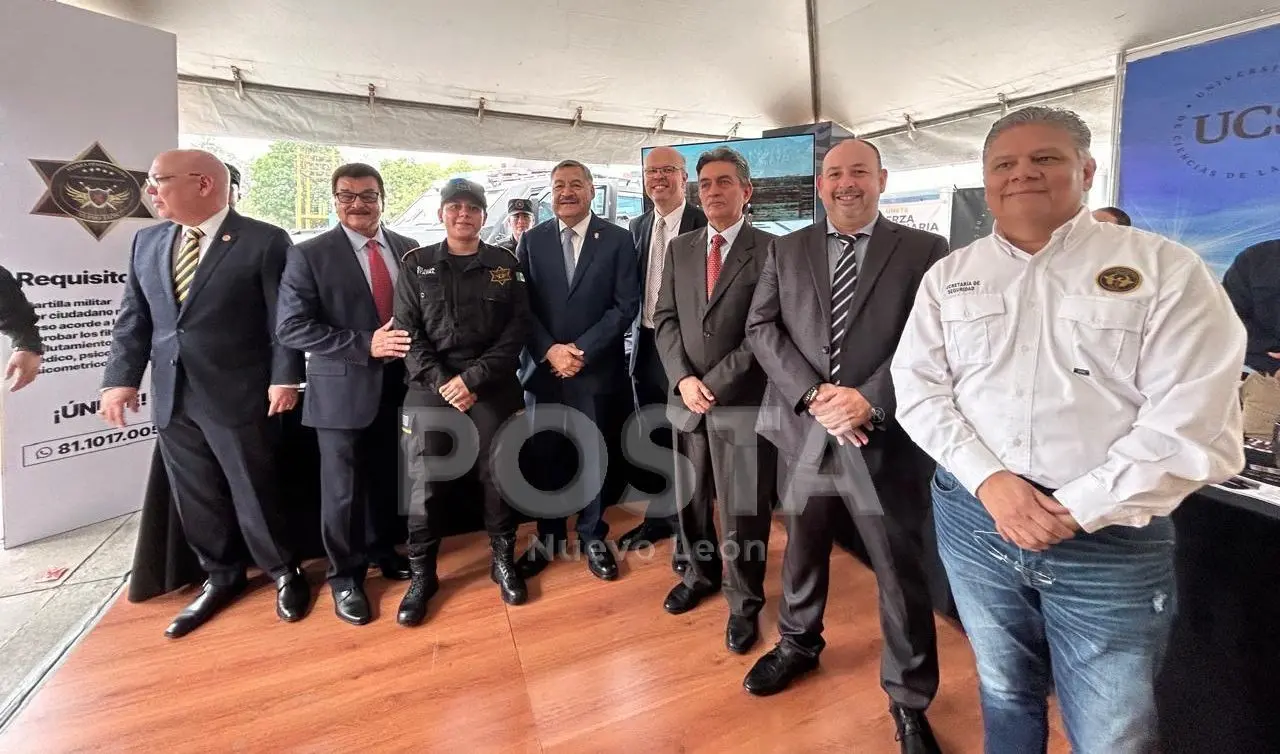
705 337
789 329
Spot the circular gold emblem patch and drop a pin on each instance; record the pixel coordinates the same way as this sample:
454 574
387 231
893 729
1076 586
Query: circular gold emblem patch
1119 279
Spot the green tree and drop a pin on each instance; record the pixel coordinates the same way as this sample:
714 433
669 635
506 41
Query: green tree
289 185
406 180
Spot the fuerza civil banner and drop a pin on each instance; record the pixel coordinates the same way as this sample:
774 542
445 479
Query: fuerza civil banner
926 210
94 100
1199 143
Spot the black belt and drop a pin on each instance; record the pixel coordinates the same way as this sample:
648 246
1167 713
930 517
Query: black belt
1043 489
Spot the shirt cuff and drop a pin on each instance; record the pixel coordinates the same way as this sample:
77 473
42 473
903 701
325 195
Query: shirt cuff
295 387
972 464
1091 504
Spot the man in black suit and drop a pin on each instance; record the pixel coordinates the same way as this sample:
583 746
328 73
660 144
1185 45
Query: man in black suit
665 178
829 309
200 307
336 303
584 290
701 318
18 321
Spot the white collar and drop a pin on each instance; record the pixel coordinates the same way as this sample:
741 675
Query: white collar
358 240
730 233
210 226
581 228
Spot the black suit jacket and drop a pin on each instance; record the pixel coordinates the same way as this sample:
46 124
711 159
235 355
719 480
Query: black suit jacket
221 342
642 232
789 328
706 337
326 309
594 311
1253 283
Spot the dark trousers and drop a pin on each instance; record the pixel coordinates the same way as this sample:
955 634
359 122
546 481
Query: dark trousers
558 454
652 389
425 444
224 480
894 544
729 484
359 487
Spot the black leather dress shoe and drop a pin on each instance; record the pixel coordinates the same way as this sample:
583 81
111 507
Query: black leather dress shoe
741 633
647 534
352 606
211 599
776 670
682 599
293 596
395 567
600 560
914 732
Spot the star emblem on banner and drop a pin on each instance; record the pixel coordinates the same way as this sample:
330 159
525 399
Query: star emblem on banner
93 189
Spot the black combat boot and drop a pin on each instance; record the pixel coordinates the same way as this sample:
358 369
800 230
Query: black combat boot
503 571
423 584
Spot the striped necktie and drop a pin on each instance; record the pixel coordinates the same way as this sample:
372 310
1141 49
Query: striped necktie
842 287
184 265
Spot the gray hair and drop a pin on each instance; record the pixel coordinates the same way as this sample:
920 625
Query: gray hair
1061 118
586 171
725 154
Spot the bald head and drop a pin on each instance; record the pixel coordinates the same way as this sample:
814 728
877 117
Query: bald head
665 177
850 185
188 186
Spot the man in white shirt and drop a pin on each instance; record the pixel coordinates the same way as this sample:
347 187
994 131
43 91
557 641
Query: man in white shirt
1075 380
665 179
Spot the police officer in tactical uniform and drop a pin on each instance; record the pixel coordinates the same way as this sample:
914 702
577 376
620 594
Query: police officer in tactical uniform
519 219
465 306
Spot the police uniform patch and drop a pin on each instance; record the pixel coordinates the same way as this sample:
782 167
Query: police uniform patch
500 275
1119 279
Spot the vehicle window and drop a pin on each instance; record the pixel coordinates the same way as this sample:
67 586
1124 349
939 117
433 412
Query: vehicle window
629 205
597 204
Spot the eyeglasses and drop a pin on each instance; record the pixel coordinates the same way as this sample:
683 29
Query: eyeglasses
368 197
156 181
667 170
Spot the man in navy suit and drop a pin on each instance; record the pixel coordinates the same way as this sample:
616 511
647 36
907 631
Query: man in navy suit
200 308
584 290
336 303
665 178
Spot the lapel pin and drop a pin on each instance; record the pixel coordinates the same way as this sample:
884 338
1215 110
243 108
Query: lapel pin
226 237
596 236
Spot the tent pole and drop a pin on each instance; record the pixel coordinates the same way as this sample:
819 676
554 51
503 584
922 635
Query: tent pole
815 93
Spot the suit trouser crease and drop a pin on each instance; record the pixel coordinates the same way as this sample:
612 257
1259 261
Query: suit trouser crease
738 490
592 468
894 544
224 479
652 388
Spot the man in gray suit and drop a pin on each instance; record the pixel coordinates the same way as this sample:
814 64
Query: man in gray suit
828 311
199 308
337 299
700 323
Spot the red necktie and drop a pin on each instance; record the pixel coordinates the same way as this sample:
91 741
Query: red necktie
713 263
380 282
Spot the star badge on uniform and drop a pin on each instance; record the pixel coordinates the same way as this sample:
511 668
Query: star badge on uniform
500 275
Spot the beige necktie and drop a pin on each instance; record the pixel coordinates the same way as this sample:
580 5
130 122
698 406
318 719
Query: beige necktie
657 257
184 265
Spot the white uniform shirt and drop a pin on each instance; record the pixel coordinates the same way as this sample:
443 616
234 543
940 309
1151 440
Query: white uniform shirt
1106 366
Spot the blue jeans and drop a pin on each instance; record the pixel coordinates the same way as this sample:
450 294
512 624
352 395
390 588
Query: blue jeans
1089 617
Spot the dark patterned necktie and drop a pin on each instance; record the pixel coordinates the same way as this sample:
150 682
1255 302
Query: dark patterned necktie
842 287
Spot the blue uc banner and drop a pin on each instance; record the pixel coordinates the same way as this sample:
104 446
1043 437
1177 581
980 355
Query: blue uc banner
1200 144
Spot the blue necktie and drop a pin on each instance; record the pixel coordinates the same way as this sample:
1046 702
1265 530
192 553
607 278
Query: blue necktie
566 243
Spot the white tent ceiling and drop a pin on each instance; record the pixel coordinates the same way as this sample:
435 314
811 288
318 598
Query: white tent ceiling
708 66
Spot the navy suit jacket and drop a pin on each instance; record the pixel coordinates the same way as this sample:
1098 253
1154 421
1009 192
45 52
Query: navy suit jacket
221 339
594 312
326 309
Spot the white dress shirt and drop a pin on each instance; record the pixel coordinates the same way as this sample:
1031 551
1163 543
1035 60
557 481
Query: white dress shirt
657 257
579 234
730 235
358 244
1123 398
209 228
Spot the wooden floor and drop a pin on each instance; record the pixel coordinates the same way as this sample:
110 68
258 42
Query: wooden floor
585 666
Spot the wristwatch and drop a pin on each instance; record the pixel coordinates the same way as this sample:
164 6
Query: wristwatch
809 395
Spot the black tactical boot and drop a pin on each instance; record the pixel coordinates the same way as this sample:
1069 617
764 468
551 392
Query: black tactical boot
503 571
423 584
